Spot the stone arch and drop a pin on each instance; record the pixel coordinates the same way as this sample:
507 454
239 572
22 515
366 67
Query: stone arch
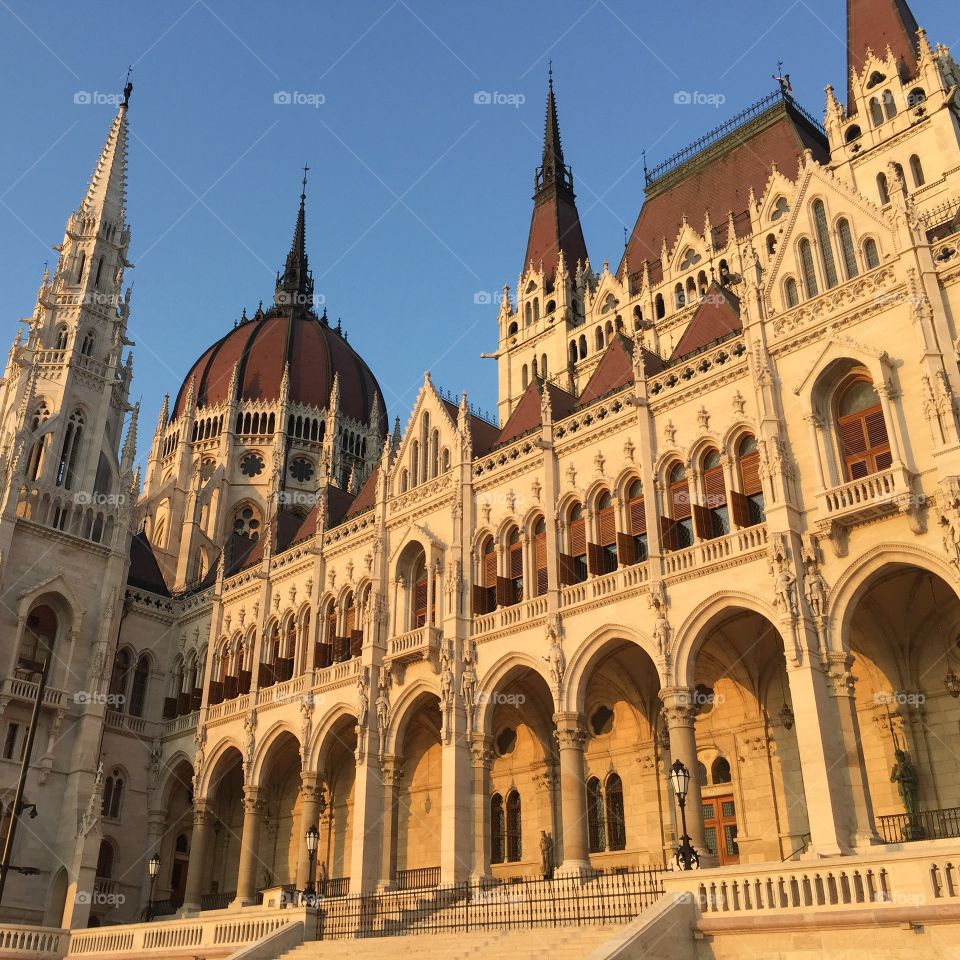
703 443
171 778
690 635
734 434
267 744
666 460
857 579
327 728
496 676
624 480
406 707
580 664
222 757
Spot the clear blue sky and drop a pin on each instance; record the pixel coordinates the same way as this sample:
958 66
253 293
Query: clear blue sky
419 198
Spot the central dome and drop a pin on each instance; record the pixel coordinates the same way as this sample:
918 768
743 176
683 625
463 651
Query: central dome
288 336
264 346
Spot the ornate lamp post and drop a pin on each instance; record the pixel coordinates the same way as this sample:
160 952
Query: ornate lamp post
687 856
313 838
153 868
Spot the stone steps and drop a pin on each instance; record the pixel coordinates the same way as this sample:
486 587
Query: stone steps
556 943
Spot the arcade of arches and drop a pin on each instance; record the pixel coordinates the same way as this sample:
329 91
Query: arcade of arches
592 777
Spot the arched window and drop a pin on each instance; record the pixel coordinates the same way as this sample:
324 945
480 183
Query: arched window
573 563
603 554
573 351
105 860
852 133
543 366
659 306
497 833
863 432
138 689
540 556
524 377
536 309
70 452
512 329
81 263
807 268
637 520
616 823
720 771
678 296
514 838
485 588
678 526
701 773
534 368
583 347
889 105
122 664
528 313
415 450
713 519
36 645
61 341
823 242
871 254
916 171
418 592
916 96
876 112
89 340
113 795
596 835
514 569
847 251
791 293
883 189
748 505
598 338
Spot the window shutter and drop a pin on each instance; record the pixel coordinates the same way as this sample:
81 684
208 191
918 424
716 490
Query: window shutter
750 474
323 655
740 508
608 527
668 534
714 488
349 618
626 549
876 429
540 561
568 574
680 501
858 469
852 436
420 602
245 677
702 522
884 460
638 517
504 592
489 569
479 600
356 642
578 538
594 560
516 561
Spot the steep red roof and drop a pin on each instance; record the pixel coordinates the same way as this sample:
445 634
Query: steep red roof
367 496
718 181
144 569
614 370
483 434
877 24
717 316
526 414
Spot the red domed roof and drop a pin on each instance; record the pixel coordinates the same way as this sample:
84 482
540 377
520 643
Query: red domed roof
263 345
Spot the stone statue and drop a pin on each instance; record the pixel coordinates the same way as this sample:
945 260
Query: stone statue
783 584
468 686
546 854
363 700
556 661
904 775
383 712
815 590
661 632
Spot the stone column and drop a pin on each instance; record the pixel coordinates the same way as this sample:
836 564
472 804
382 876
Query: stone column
680 714
311 807
254 807
847 764
199 854
391 774
571 737
482 754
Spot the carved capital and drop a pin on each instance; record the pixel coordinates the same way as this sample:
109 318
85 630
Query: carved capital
202 814
571 732
254 800
481 750
679 706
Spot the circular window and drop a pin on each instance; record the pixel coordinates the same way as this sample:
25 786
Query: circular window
506 741
301 470
206 469
251 465
247 524
601 721
703 699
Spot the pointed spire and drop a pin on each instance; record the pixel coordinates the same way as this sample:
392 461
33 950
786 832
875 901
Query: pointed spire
552 147
395 440
164 414
295 284
875 25
106 195
130 444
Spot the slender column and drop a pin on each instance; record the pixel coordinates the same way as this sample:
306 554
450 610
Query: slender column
391 774
482 754
156 821
571 737
848 765
815 433
680 713
254 806
311 807
199 853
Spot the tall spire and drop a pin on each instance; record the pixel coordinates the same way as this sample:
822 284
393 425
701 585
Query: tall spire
876 25
295 284
555 224
106 196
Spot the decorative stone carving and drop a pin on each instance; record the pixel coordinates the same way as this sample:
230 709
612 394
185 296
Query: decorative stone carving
556 662
661 625
670 433
784 581
447 696
468 691
383 710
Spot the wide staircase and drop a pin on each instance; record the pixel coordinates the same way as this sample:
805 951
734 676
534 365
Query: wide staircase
564 943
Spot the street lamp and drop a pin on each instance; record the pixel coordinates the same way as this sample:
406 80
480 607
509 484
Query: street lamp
313 838
153 868
687 856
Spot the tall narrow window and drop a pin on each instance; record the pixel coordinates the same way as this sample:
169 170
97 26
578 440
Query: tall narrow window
847 250
871 254
713 519
81 263
876 112
916 170
419 593
540 555
863 432
603 555
823 241
616 824
573 564
637 529
488 575
105 860
679 528
61 337
122 663
889 105
596 834
809 271
748 505
883 189
791 295
70 452
496 829
514 837
515 566
138 690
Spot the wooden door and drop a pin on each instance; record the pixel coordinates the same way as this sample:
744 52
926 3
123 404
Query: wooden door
720 828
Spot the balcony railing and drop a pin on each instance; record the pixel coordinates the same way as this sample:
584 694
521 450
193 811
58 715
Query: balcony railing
17 688
928 825
419 644
708 552
524 612
858 501
418 879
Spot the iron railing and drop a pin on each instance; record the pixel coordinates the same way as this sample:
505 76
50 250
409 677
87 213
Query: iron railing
334 887
471 905
217 901
928 825
418 879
